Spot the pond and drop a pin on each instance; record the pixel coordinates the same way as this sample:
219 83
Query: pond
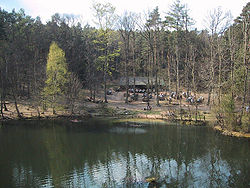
102 153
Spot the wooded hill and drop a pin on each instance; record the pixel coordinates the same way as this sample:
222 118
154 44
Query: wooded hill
215 60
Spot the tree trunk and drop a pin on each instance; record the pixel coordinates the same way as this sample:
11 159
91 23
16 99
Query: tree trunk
169 75
193 76
72 108
2 87
34 71
126 68
94 92
53 105
16 106
134 61
28 90
231 41
104 79
105 88
155 59
4 82
193 80
127 88
209 95
157 90
38 112
196 111
91 91
245 30
148 105
220 71
187 83
4 105
163 63
211 84
177 68
1 110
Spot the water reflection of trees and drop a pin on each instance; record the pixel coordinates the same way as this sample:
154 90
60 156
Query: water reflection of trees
228 162
91 155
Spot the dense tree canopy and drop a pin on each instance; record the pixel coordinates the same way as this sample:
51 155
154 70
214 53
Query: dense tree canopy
213 61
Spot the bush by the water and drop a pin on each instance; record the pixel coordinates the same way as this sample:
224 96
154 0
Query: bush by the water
229 118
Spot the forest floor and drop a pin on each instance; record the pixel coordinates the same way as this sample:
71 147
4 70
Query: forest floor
116 107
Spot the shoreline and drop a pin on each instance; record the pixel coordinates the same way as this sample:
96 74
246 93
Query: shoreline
123 114
216 128
231 133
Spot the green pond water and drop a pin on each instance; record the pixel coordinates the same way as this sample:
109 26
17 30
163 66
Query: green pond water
102 153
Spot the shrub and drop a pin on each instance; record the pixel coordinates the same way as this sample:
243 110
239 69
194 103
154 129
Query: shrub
227 108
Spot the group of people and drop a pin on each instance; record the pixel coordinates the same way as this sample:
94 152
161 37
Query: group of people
136 90
173 95
187 95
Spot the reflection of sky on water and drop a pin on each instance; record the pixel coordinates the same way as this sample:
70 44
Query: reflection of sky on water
127 130
115 172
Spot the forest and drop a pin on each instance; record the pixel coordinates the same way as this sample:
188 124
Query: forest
49 64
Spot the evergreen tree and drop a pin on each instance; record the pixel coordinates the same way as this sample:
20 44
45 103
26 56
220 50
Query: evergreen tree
57 75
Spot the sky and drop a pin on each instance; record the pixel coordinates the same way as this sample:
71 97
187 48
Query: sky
199 9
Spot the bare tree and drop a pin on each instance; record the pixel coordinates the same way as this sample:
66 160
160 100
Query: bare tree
231 39
74 89
106 18
126 25
147 35
150 31
217 22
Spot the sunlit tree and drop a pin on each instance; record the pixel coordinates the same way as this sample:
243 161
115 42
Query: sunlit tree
57 74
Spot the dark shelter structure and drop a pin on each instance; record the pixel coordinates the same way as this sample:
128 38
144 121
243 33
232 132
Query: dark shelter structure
140 82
